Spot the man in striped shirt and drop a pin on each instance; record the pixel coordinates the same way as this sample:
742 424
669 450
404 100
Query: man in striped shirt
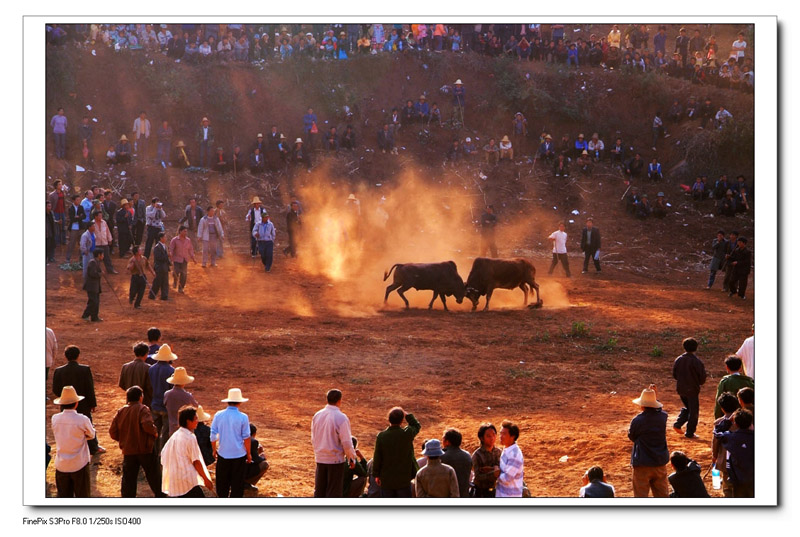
510 474
183 468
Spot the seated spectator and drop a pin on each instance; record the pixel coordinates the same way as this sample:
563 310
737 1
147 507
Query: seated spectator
561 166
181 159
436 115
698 189
523 49
691 108
454 153
594 484
742 194
724 76
510 46
364 44
386 139
394 120
643 209
331 141
618 152
205 51
355 478
654 172
506 149
660 206
698 75
727 207
635 166
596 148
219 162
191 54
468 147
225 50
300 155
675 111
585 163
257 164
123 150
491 151
237 161
631 199
564 146
241 49
349 138
111 155
721 187
546 149
255 470
580 146
686 481
572 55
421 110
740 444
408 114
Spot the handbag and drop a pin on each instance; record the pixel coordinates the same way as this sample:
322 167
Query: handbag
314 129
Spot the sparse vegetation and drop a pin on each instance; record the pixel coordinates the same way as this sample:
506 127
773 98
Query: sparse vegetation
519 372
579 329
656 352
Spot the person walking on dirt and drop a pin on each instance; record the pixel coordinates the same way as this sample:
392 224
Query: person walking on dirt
292 228
264 233
690 373
559 240
161 264
138 265
177 397
253 218
740 262
154 214
590 245
210 231
333 447
718 247
488 223
191 217
649 457
180 251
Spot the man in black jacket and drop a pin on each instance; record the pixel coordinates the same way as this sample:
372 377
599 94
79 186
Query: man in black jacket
192 216
686 481
292 228
719 247
161 264
590 244
690 374
740 261
80 377
92 288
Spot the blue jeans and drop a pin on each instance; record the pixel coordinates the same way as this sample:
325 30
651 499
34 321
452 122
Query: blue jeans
265 249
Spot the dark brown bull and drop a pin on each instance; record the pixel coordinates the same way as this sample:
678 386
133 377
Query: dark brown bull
490 274
441 278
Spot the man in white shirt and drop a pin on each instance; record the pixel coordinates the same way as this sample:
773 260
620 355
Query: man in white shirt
511 472
71 431
183 468
747 352
333 446
141 131
559 240
51 347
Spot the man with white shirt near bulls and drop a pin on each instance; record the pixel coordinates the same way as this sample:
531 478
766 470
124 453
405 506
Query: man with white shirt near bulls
333 447
559 240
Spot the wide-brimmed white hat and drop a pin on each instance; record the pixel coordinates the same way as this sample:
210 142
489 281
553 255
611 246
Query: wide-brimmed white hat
255 200
299 141
201 414
68 396
458 82
647 399
180 377
235 396
164 354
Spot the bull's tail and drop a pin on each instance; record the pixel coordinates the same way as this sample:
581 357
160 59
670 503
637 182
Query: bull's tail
388 272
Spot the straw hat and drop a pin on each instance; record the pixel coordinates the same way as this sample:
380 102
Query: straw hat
283 137
580 135
299 141
255 200
433 448
204 119
123 138
548 137
235 396
647 399
201 414
123 201
351 197
164 354
422 97
181 144
68 396
458 82
585 152
505 139
180 377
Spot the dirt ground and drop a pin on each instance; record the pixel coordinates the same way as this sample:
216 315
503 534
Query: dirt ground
286 337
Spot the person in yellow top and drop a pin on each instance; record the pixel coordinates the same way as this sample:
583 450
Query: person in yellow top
614 36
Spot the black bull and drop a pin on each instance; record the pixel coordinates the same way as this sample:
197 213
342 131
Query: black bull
490 274
441 278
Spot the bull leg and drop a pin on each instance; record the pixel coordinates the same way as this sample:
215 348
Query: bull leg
441 295
536 287
524 287
488 298
389 289
435 295
401 291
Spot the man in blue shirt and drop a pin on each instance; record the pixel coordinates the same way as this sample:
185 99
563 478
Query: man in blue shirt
86 203
230 441
159 373
264 233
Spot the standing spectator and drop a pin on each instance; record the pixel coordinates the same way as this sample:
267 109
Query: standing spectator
729 404
718 247
141 129
161 264
594 484
488 224
310 127
205 137
49 234
231 430
393 464
136 433
223 220
739 47
486 462
177 397
154 215
686 481
732 245
264 234
137 373
139 216
690 374
435 479
386 139
559 240
180 251
183 467
740 444
210 231
333 447
124 220
50 349
59 124
590 245
138 266
747 352
459 103
110 208
164 135
732 382
85 135
648 432
79 377
58 203
457 458
511 471
253 218
92 287
103 238
292 228
87 246
658 129
660 41
72 430
682 46
740 261
159 373
192 216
